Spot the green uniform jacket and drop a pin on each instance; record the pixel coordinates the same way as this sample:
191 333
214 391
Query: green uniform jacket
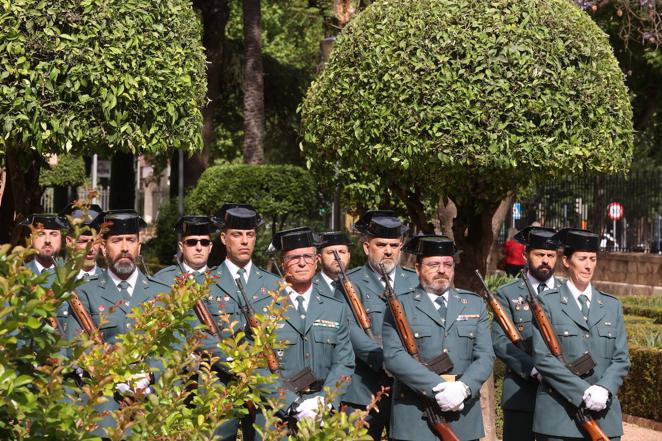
323 345
604 338
465 337
519 388
99 296
369 375
62 311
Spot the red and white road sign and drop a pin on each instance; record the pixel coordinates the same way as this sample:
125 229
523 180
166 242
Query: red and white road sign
615 211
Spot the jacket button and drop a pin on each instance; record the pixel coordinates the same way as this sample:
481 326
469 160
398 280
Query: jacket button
307 355
446 350
586 336
416 334
565 332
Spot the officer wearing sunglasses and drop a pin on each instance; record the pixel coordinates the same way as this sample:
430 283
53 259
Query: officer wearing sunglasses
195 233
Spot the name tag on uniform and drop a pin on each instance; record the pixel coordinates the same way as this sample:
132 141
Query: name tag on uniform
280 325
463 317
326 323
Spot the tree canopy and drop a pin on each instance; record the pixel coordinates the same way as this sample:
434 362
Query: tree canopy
81 75
431 92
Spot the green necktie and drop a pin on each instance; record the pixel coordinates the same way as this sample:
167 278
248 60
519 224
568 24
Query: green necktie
541 288
583 300
301 312
441 301
199 277
124 291
242 273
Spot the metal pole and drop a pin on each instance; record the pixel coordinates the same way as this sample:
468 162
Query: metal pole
95 165
624 237
180 183
613 233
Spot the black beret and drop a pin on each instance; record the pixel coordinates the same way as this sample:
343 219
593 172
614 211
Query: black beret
430 245
239 217
380 223
196 226
578 240
49 221
538 238
331 238
89 217
118 222
286 240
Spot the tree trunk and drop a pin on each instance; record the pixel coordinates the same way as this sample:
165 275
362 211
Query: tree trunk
472 231
215 15
497 221
253 85
22 194
122 182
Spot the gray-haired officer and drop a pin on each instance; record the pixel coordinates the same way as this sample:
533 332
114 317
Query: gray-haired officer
521 380
328 277
119 289
586 321
443 320
239 224
194 245
315 327
46 240
87 239
381 234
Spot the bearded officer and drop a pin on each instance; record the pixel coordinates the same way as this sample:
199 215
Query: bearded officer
46 240
113 294
586 321
328 277
87 238
381 235
443 320
522 379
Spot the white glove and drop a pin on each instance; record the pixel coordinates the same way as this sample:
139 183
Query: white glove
535 374
451 395
139 383
595 398
309 408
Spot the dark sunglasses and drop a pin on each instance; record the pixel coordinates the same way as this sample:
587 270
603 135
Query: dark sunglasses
194 242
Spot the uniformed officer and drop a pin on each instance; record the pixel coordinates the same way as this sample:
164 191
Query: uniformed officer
46 240
443 320
315 328
194 245
586 321
89 229
327 278
381 234
239 224
521 380
114 293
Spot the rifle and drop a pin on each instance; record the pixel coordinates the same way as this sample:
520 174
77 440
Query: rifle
579 367
501 317
353 299
84 318
441 428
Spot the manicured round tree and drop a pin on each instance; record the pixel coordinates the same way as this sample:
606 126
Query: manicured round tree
95 76
465 100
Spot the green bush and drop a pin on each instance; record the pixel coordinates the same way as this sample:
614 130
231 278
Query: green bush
644 311
69 170
640 395
643 301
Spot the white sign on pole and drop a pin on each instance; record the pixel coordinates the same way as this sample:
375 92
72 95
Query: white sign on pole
615 211
517 211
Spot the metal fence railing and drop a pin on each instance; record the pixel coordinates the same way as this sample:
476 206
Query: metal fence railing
625 210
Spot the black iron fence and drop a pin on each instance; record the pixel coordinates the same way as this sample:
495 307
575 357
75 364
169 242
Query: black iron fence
625 210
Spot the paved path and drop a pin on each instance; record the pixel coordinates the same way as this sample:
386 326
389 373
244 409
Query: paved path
637 433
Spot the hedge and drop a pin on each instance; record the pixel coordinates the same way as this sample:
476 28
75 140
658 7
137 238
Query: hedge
644 311
641 393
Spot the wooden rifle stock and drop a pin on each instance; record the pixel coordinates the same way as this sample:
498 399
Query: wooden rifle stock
441 428
588 423
206 319
249 314
501 317
84 318
353 299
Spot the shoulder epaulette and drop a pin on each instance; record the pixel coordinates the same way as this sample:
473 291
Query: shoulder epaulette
353 270
409 270
464 291
608 295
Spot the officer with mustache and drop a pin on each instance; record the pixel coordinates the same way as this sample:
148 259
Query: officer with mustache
521 380
381 234
46 240
113 294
